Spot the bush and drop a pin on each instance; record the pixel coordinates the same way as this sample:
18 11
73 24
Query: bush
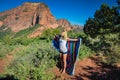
6 32
85 52
33 62
26 32
107 45
2 28
49 33
75 34
23 41
5 49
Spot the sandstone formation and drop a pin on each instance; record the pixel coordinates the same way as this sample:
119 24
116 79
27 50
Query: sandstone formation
1 23
28 15
68 25
64 23
78 27
44 17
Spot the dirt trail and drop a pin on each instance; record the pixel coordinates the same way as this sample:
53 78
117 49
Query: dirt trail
90 69
4 62
86 69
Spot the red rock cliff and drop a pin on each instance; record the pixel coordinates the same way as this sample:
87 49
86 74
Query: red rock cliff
28 15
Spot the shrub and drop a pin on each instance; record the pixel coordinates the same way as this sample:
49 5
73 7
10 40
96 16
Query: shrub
2 28
26 32
5 49
85 52
33 62
23 41
4 33
50 33
3 17
74 34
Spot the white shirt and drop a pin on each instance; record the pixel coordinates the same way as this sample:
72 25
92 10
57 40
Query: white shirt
62 45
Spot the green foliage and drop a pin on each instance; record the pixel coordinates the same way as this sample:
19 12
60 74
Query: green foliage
33 62
26 32
50 33
3 17
8 39
85 52
5 49
22 41
118 1
5 34
75 34
103 33
103 21
34 57
113 52
2 28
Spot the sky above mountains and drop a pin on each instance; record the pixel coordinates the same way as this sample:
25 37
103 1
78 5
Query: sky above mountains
75 11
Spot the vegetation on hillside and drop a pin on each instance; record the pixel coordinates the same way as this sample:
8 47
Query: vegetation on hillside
34 57
103 33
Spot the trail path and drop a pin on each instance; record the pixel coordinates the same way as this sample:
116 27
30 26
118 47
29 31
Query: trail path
86 69
90 69
4 62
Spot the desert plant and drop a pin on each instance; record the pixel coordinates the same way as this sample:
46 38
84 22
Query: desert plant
33 62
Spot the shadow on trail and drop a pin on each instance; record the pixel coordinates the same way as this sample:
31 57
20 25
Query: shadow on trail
102 72
77 78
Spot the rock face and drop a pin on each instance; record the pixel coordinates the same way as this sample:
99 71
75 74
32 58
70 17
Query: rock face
28 15
1 23
78 27
64 23
44 17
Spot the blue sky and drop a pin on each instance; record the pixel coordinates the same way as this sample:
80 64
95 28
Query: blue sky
75 11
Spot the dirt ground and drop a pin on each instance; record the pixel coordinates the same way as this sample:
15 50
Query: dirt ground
90 69
4 62
87 69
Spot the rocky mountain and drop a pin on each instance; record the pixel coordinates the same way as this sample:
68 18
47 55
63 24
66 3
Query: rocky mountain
64 23
28 15
79 27
1 23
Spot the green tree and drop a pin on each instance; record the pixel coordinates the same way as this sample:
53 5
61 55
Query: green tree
118 1
103 32
103 21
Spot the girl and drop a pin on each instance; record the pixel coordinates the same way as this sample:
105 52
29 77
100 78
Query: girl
63 49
